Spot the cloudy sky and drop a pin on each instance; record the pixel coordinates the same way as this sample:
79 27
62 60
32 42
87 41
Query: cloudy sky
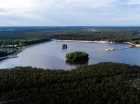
69 12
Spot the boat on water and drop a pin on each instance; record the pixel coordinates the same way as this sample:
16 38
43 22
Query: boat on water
108 49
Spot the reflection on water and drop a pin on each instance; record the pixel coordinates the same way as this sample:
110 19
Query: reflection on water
51 55
77 62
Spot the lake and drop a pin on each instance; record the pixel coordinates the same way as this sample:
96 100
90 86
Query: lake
51 55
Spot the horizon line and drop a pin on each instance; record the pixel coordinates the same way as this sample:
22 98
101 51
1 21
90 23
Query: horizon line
75 26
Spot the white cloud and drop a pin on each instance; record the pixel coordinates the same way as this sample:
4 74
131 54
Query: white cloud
68 12
133 2
134 17
15 5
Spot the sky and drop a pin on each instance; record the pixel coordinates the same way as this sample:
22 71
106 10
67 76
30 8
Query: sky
69 12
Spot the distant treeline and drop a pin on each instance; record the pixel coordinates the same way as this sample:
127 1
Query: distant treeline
115 36
110 34
103 83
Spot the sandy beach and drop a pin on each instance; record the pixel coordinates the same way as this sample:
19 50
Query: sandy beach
132 44
107 42
84 41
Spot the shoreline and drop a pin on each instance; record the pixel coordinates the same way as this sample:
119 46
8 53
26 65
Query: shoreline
98 41
132 44
14 55
84 41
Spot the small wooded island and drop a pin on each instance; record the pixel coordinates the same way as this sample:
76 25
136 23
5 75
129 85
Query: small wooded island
77 56
64 46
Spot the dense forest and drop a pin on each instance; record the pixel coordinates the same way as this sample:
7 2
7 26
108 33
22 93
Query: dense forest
103 83
116 34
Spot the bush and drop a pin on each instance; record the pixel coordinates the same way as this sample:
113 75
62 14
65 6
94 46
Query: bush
77 56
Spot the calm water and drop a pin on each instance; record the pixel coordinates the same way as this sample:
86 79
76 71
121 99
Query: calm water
50 55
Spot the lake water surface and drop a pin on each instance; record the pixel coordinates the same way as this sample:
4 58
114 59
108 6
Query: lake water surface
51 55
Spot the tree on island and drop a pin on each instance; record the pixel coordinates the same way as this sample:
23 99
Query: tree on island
64 46
77 56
